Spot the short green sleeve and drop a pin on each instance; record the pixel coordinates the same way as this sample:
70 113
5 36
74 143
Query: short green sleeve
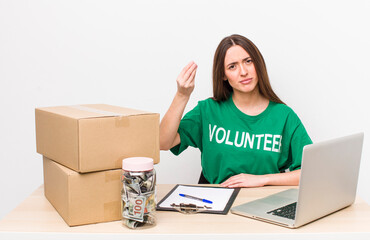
300 138
190 131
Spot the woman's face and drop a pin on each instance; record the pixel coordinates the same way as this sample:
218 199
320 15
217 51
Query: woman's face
239 70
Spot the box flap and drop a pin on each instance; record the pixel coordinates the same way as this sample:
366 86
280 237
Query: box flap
83 198
56 187
57 137
95 197
92 111
104 142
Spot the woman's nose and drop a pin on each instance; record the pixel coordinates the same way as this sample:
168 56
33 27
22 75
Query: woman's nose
243 70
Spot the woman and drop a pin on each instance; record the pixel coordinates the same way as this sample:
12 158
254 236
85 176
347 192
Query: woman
247 136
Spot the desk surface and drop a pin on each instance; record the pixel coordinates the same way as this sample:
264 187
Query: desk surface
35 218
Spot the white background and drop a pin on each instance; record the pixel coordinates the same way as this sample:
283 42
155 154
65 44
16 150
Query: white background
129 53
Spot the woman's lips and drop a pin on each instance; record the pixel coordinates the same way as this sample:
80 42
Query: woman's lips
246 81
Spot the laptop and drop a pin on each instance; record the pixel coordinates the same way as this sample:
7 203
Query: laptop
328 183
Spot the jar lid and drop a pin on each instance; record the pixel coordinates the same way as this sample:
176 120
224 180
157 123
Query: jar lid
137 164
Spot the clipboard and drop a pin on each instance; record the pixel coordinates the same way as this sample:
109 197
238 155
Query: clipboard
222 198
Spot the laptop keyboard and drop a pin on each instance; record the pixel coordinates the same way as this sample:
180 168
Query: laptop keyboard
287 211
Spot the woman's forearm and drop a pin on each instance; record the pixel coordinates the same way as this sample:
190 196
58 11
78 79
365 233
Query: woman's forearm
250 180
171 121
287 178
168 136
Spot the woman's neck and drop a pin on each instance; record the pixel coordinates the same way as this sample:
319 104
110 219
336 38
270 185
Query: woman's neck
252 103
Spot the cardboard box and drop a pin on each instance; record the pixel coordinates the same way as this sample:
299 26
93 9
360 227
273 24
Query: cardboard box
96 137
83 198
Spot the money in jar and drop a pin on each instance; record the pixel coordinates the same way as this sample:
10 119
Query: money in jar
138 192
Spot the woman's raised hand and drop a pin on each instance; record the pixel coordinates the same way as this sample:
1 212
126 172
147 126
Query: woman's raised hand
185 81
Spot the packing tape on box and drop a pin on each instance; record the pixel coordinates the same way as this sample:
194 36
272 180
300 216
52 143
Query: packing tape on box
121 121
112 176
118 163
112 211
94 110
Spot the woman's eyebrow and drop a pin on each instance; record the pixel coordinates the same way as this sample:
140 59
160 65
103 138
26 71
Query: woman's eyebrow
231 63
237 61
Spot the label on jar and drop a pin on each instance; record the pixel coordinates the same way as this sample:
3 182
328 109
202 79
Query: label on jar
136 208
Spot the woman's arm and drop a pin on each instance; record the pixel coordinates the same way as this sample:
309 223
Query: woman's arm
168 136
249 180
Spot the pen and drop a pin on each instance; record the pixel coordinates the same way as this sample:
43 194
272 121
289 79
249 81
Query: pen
196 198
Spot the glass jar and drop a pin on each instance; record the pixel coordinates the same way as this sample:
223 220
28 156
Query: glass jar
138 192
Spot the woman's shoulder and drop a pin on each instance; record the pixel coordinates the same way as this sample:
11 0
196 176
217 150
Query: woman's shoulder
209 105
284 110
210 102
281 107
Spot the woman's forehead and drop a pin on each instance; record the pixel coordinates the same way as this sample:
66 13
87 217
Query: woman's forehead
235 54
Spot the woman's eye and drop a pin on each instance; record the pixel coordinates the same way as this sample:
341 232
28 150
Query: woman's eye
231 66
248 61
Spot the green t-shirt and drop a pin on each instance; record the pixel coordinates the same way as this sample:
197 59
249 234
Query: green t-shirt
232 142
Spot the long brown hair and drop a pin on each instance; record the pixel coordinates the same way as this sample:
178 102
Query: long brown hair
221 88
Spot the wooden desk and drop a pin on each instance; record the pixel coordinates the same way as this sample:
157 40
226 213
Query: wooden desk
35 218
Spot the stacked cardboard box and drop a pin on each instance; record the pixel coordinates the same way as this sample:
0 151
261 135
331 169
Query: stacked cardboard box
83 147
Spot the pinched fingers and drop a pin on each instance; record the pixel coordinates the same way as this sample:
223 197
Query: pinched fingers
190 81
187 74
187 68
185 81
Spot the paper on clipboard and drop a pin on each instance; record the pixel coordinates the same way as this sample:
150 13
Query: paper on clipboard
222 198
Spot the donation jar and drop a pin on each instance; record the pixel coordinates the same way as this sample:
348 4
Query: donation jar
138 192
